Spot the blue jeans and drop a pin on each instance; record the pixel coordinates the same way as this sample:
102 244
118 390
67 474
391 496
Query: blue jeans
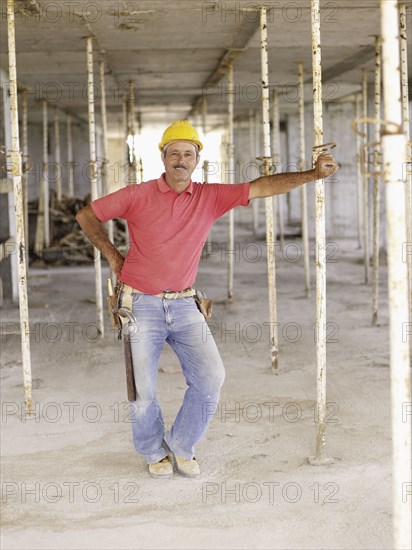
179 323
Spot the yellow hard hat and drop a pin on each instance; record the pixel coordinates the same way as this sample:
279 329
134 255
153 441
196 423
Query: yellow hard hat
180 130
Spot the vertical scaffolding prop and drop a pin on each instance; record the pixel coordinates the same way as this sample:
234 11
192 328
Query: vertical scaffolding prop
70 175
303 194
25 166
45 181
16 164
93 180
376 182
105 161
132 136
252 155
277 160
394 154
206 166
125 120
320 457
139 133
231 160
57 156
359 194
406 129
270 240
365 176
43 226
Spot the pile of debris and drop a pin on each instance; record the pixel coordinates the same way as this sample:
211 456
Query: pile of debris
69 245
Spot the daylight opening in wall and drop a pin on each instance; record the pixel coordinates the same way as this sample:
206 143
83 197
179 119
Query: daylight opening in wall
146 147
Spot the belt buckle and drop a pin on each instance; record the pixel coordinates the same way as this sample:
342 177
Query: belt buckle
170 292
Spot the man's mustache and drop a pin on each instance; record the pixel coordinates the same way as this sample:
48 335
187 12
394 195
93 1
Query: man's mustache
179 166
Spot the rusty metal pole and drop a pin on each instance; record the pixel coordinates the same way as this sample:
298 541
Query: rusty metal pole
406 129
42 222
25 165
139 133
125 120
303 194
105 152
359 180
93 181
132 126
376 182
270 239
365 177
231 161
46 212
16 164
206 166
70 175
57 156
252 155
394 154
277 160
320 457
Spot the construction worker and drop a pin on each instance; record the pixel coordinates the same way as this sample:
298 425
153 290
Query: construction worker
169 219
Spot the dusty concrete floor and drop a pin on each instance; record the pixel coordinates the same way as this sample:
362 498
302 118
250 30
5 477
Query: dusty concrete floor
71 477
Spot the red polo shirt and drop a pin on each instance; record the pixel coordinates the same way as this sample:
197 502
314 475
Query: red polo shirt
167 231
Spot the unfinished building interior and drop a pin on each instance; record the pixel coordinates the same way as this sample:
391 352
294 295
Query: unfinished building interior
309 446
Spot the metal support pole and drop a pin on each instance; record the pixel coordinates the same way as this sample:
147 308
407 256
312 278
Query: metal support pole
93 180
204 114
206 166
365 177
70 182
303 194
394 153
57 156
19 210
277 161
320 457
359 195
46 206
376 181
105 180
252 155
132 126
139 132
270 239
231 161
406 129
25 166
125 120
43 196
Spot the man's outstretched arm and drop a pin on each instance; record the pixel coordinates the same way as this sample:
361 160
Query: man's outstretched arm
267 186
94 230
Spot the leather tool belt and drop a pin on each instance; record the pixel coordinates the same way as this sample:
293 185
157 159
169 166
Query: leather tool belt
121 315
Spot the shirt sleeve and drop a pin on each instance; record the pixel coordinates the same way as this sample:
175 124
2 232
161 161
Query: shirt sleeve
114 205
228 196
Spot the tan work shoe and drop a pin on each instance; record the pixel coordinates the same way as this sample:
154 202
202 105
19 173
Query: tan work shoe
161 469
188 468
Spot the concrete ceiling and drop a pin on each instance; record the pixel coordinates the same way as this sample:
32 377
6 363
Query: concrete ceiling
174 50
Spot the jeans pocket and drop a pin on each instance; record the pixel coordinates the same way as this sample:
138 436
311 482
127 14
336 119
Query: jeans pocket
136 298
